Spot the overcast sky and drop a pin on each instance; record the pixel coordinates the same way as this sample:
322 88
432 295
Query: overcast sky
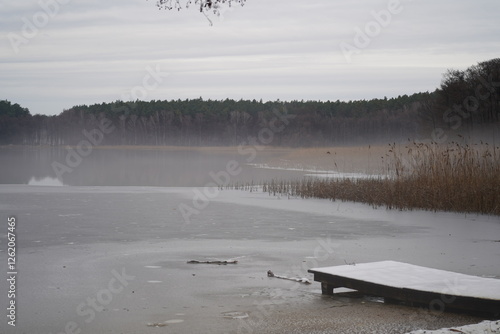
86 51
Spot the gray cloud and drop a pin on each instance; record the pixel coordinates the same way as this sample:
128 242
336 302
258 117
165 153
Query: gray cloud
94 51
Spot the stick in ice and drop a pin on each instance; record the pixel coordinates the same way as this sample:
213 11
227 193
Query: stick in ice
295 279
214 262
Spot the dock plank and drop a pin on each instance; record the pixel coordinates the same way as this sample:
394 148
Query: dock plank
414 285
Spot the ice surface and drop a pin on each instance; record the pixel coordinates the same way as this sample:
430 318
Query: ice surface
71 238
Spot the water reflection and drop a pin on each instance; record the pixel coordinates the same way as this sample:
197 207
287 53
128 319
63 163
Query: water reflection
172 167
46 181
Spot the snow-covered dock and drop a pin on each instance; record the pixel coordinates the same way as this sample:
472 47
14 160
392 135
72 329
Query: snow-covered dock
415 285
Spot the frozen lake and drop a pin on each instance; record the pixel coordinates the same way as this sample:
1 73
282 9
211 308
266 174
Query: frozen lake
103 247
113 259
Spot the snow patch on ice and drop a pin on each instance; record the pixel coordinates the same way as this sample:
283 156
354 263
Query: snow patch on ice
481 328
174 321
235 315
337 175
313 172
308 170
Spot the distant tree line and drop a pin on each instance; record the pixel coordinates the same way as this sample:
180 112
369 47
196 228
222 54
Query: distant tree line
470 98
220 122
467 100
15 123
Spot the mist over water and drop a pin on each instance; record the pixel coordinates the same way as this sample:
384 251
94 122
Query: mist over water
175 167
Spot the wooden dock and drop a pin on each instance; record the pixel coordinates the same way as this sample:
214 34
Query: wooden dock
414 285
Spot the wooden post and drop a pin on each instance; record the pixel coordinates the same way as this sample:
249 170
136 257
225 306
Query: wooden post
326 289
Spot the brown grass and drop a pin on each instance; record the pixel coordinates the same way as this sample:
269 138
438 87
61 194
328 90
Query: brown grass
455 177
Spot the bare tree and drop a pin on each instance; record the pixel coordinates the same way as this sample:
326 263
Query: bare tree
205 6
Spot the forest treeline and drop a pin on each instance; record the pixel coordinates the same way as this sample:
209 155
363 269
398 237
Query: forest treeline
465 102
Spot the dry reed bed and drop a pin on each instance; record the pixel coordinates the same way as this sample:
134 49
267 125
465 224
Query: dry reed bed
455 177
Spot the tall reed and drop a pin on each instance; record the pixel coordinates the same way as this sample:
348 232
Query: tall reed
455 177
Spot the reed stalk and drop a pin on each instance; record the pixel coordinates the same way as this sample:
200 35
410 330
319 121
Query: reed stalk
455 177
